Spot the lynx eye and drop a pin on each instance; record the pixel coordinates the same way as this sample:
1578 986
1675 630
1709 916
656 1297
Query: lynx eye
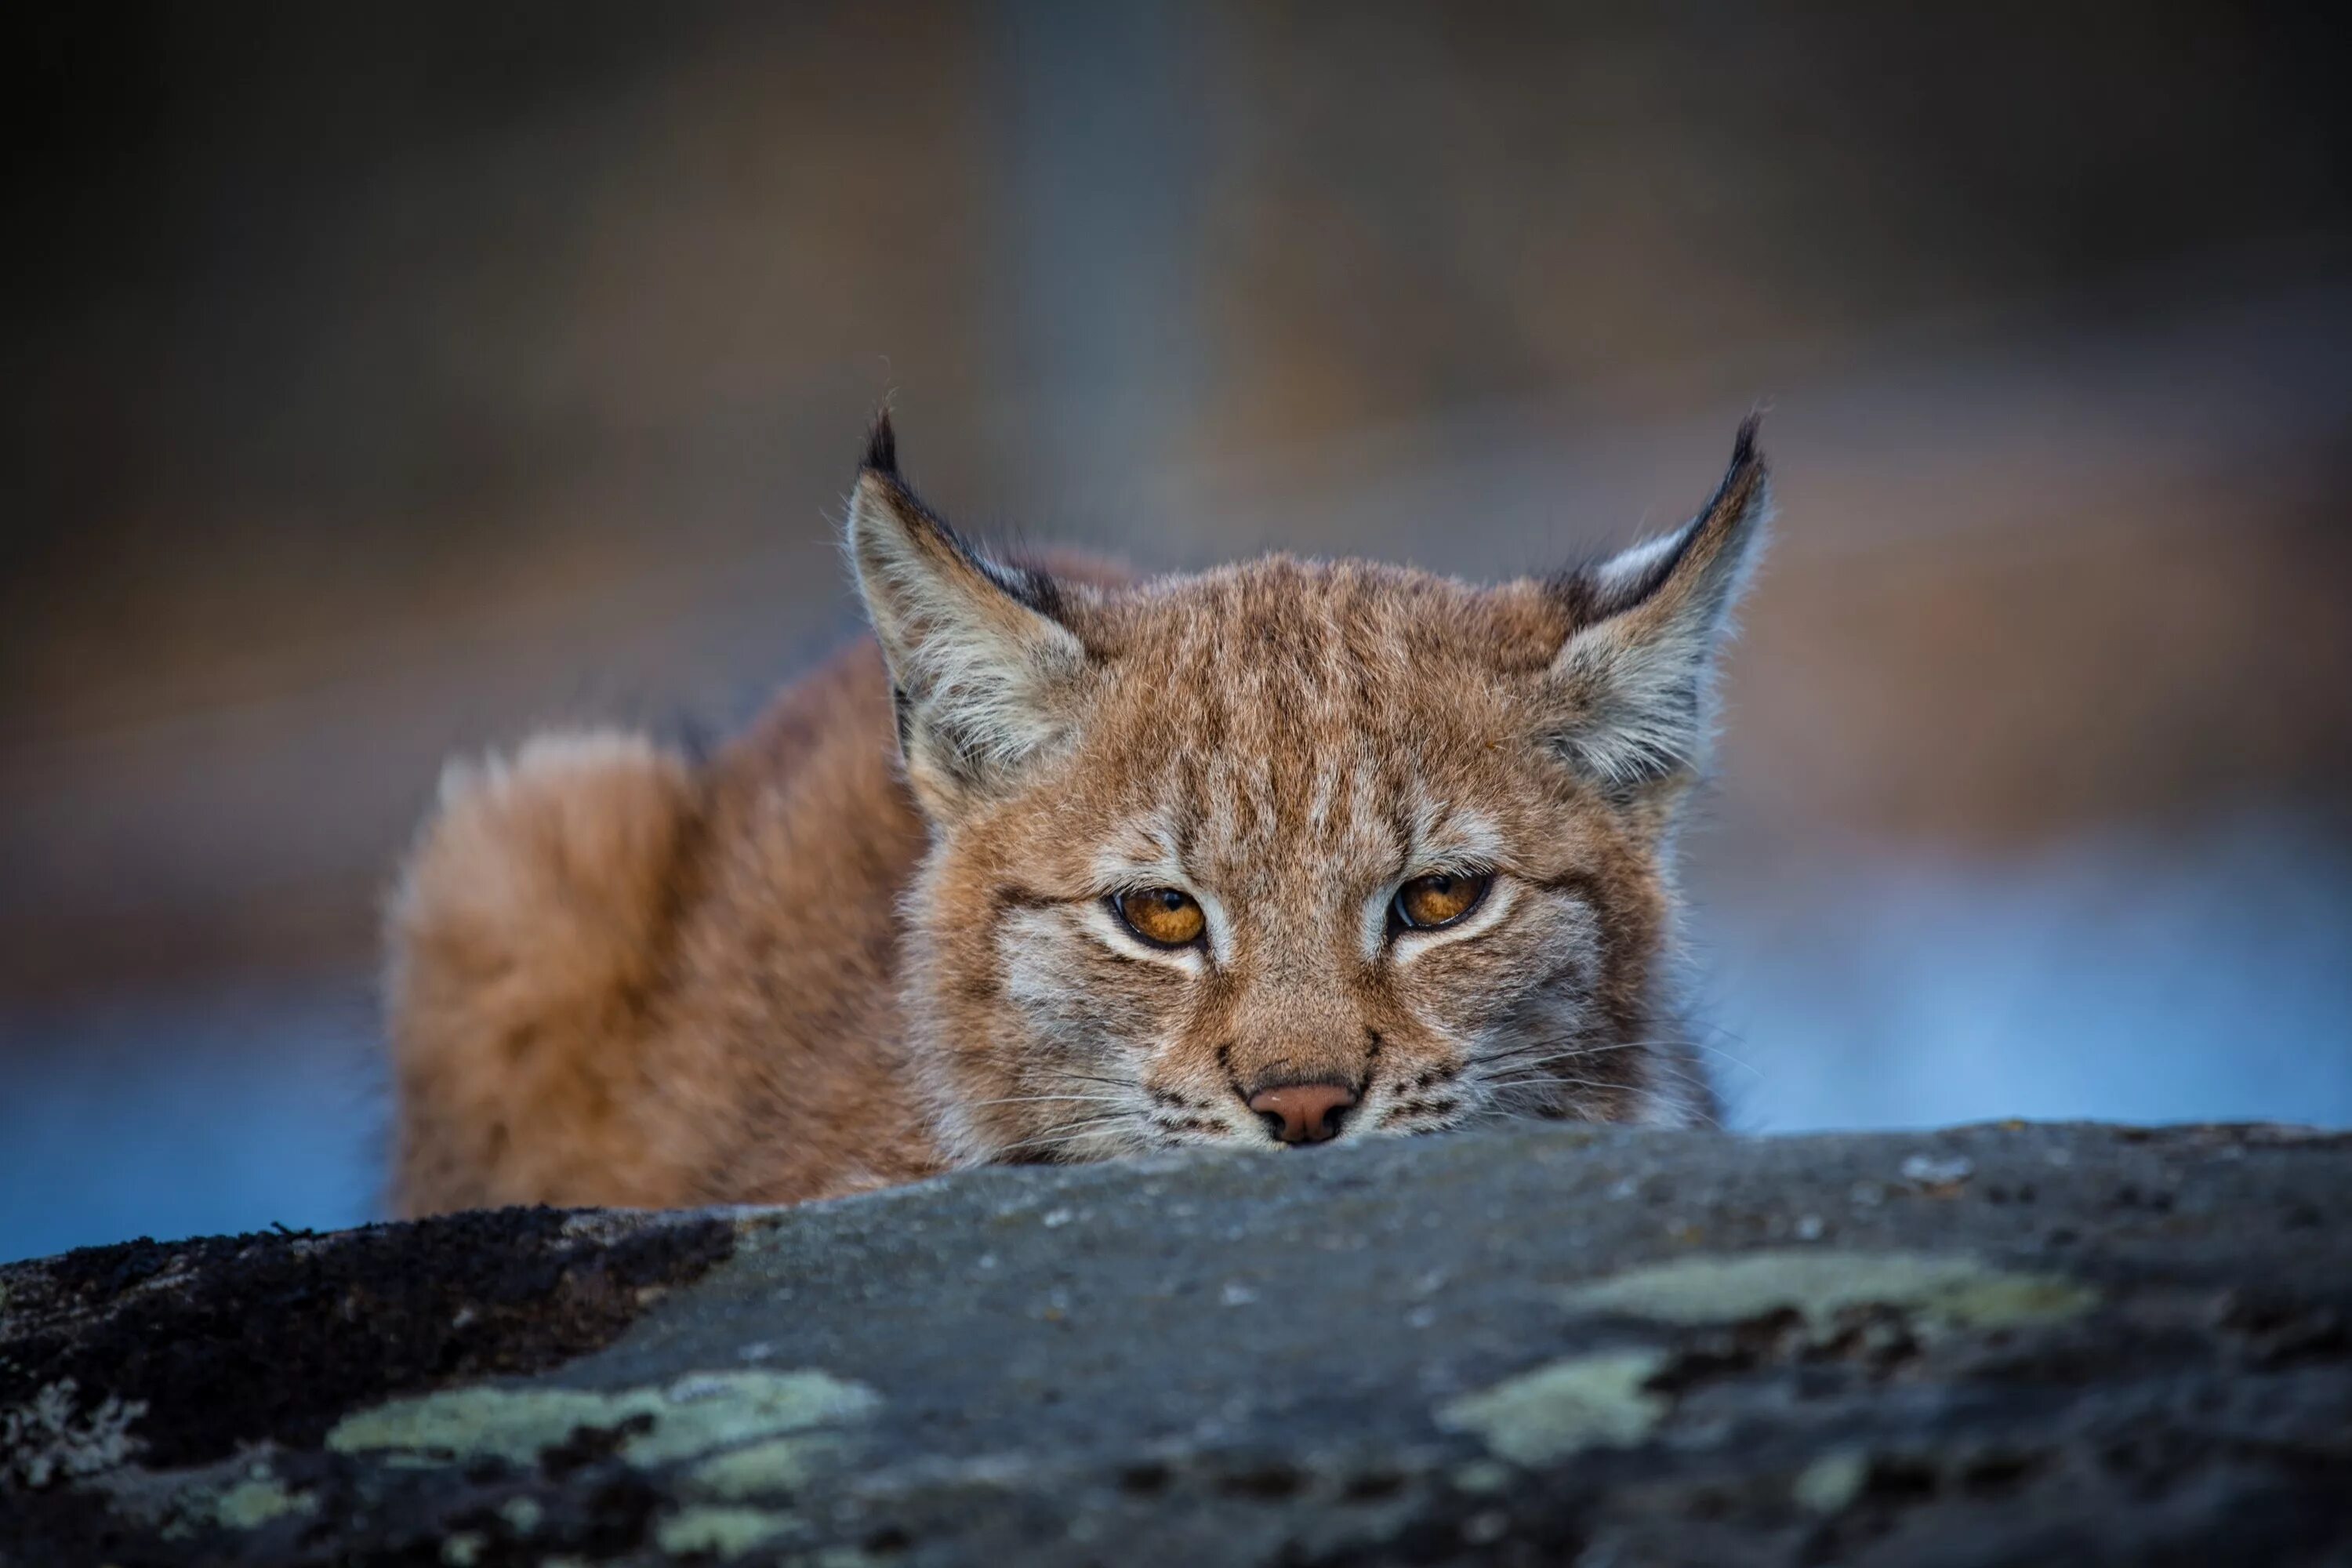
1426 903
1161 916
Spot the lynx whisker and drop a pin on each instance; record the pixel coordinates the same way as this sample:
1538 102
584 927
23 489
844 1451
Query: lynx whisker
1065 1073
1546 1080
1067 1133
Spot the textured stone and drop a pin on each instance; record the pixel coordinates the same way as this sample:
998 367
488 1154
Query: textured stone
1540 1344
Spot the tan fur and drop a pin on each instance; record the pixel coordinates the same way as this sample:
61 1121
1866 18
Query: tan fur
616 978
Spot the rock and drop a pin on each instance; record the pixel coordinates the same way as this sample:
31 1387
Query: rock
1540 1344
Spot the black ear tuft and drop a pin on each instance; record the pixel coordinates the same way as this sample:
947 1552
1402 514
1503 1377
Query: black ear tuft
881 447
1633 685
1743 445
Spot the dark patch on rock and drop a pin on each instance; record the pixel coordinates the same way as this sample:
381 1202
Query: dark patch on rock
231 1341
70 1526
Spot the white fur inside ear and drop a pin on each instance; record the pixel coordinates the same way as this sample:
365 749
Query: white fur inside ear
1643 705
1619 578
984 674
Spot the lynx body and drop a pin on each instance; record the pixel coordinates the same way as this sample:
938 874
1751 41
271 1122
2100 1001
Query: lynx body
1062 867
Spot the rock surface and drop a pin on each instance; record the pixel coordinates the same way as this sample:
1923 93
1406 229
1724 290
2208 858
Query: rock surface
1544 1345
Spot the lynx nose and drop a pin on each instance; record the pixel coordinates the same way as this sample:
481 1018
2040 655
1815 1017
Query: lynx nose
1303 1112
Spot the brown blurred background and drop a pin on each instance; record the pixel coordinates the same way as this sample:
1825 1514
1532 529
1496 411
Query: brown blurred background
386 379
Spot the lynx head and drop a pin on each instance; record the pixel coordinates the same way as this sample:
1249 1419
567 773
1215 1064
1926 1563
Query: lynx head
1293 851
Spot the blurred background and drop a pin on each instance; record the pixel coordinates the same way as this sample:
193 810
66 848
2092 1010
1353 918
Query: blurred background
386 379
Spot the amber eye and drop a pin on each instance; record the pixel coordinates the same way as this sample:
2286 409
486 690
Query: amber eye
1162 916
1426 903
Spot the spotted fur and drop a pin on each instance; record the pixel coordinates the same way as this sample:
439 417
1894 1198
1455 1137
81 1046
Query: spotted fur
876 936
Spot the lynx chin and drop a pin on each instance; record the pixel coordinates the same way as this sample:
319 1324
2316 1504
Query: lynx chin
1064 864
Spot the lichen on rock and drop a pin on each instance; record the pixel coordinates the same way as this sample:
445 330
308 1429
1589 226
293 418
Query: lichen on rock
50 1439
1581 1402
697 1414
257 1499
727 1532
1950 1290
779 1465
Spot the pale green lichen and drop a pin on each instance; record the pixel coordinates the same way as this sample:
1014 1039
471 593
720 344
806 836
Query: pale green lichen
1584 1402
1956 1292
1831 1481
698 1415
510 1423
725 1531
1483 1476
44 1440
254 1501
708 1411
777 1465
462 1548
523 1514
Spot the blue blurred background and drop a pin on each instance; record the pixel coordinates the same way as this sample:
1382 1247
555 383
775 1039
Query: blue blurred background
386 379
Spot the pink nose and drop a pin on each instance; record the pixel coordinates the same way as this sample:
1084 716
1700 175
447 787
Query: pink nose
1303 1112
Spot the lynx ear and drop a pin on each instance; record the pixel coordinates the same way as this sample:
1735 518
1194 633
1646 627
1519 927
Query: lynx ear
1634 685
984 677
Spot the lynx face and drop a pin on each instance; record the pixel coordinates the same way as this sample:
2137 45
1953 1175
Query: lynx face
1292 852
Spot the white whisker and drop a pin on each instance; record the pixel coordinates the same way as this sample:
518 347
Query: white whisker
1070 1132
1045 1099
1548 1079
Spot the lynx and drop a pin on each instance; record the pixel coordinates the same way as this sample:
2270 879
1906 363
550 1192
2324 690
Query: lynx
1062 865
